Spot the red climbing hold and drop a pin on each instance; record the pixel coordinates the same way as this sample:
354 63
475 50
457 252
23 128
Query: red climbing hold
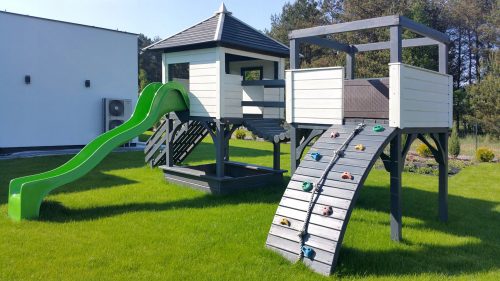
347 176
327 211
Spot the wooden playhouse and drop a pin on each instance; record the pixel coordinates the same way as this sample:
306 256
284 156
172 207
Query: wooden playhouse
354 121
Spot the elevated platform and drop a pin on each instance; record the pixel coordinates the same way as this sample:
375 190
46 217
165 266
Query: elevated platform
269 129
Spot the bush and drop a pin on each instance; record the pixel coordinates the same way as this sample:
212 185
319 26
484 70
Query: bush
454 145
484 154
423 150
240 134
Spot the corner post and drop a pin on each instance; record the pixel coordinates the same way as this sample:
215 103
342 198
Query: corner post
396 188
396 43
169 156
350 63
443 58
443 178
276 155
294 143
219 148
294 54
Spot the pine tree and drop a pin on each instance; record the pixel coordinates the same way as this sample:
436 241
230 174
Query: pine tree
454 145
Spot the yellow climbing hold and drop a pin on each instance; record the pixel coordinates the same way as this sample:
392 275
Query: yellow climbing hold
359 147
285 222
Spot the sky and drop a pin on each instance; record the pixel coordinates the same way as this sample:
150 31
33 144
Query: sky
151 17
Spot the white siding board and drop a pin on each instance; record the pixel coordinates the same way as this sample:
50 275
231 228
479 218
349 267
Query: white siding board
419 97
315 95
231 96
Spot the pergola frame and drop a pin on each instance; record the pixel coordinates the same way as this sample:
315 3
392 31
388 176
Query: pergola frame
302 134
395 23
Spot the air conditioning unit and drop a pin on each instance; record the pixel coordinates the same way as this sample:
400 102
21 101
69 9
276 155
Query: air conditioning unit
116 112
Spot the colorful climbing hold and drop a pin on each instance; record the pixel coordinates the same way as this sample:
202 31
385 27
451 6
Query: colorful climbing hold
316 156
327 211
378 128
334 135
347 176
307 186
359 147
308 252
285 222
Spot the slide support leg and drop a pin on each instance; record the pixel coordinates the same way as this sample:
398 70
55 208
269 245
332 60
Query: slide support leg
169 162
396 188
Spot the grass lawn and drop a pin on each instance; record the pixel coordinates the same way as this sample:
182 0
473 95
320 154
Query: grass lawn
123 222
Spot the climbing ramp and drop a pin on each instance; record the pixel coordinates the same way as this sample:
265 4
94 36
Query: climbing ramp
323 227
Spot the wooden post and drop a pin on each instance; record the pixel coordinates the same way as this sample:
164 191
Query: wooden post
396 171
294 54
443 178
276 155
350 64
443 58
294 143
396 44
219 148
169 161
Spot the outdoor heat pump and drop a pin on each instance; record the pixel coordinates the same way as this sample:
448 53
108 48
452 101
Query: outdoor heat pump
116 112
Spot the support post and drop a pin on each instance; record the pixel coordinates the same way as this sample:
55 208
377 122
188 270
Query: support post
276 155
350 63
169 156
294 54
396 188
219 148
294 143
443 58
396 44
443 178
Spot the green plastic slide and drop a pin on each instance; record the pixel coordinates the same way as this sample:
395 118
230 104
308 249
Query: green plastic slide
26 193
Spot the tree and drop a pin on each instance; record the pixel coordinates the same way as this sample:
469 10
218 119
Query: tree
149 61
485 99
454 145
143 79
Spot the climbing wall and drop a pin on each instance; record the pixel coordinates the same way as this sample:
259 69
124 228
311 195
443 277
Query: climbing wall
337 197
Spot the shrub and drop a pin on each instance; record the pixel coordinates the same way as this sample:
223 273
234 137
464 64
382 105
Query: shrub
240 134
454 145
484 154
423 150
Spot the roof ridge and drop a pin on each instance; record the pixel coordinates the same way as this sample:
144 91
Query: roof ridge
194 25
262 33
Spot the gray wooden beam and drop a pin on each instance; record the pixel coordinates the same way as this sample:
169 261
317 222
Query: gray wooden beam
443 178
443 58
424 30
350 64
396 44
220 151
294 54
406 43
344 27
396 188
277 83
327 43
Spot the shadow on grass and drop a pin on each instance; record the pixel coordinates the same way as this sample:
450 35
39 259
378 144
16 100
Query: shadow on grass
206 152
55 212
468 217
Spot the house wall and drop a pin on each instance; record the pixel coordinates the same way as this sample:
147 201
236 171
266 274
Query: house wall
56 109
204 79
315 95
419 97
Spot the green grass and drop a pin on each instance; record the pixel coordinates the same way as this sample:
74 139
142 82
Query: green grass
468 145
123 222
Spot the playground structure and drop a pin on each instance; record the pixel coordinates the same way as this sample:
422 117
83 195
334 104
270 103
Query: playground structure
355 120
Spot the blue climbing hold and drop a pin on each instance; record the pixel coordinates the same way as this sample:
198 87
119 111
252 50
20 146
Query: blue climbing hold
316 156
308 252
307 186
378 128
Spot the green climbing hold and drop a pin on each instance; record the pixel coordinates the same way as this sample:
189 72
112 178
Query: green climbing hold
307 186
378 128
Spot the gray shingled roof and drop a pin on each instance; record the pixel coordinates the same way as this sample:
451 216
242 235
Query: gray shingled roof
231 33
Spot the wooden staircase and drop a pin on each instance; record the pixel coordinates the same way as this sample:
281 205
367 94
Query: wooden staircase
183 138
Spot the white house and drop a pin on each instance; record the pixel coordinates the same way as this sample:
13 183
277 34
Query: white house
54 76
